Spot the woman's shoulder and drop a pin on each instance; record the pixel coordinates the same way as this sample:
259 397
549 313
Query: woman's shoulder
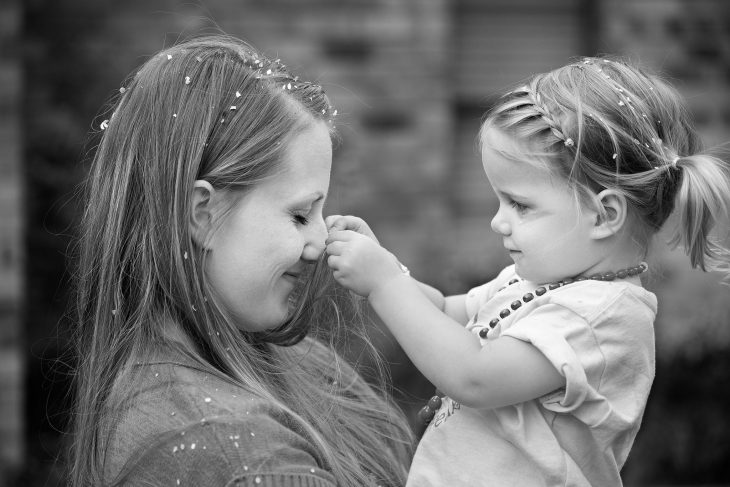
206 428
226 451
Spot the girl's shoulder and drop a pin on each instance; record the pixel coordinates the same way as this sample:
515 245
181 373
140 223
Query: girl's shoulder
482 293
593 299
589 302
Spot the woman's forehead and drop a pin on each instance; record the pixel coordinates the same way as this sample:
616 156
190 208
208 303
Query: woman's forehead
304 171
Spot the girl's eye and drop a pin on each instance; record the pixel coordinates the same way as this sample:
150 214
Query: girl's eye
518 206
301 219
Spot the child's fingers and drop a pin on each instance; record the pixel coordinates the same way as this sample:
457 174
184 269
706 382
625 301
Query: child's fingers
339 235
333 222
333 262
347 222
335 248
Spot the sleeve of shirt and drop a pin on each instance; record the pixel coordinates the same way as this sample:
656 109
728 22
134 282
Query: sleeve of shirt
479 295
567 341
259 452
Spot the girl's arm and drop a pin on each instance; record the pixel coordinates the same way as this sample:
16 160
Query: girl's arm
454 306
433 294
501 372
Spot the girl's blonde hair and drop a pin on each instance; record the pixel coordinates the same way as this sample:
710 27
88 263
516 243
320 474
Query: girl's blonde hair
210 108
602 123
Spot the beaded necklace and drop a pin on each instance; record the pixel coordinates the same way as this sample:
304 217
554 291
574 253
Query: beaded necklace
427 412
526 298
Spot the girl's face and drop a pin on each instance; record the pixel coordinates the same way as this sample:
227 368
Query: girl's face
545 230
272 234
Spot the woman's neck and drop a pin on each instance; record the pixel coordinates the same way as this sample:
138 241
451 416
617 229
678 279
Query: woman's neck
173 333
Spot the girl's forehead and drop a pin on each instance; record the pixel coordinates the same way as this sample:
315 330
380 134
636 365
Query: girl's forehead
524 177
504 140
495 142
512 164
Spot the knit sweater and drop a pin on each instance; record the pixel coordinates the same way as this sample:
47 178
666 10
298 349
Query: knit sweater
186 427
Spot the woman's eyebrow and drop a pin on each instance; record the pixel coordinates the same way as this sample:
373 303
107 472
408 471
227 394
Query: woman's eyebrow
313 197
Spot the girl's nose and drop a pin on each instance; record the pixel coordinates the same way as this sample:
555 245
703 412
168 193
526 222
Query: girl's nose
499 224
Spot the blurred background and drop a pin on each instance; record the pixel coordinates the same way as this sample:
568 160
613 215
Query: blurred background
411 80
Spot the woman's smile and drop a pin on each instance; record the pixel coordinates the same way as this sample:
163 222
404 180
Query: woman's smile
292 277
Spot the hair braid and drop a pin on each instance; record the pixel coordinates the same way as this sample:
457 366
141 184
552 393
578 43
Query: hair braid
535 100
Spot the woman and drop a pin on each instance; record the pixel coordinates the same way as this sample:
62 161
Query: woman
201 289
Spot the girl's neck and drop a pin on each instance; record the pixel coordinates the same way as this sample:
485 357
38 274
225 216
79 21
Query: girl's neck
615 260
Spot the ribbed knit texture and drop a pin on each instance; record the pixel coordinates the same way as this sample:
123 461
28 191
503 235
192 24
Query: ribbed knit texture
280 480
187 428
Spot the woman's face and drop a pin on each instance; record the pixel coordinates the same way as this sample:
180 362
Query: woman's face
272 234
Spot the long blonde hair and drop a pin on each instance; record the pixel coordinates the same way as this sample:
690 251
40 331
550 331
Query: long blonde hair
603 123
209 108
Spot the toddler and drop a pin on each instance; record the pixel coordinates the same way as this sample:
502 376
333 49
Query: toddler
547 382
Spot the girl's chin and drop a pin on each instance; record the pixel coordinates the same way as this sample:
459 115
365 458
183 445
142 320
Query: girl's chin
526 273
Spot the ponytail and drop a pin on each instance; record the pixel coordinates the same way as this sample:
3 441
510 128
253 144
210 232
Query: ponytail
702 203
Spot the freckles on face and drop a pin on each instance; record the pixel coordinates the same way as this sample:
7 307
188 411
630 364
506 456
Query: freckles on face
259 252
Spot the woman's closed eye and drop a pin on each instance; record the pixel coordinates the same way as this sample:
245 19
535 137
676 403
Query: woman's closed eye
300 218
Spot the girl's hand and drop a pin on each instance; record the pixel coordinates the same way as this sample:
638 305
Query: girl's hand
358 262
349 222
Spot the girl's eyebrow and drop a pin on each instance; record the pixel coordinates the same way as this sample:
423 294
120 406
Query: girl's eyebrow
512 195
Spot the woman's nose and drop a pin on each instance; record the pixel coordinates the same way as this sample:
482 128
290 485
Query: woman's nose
316 237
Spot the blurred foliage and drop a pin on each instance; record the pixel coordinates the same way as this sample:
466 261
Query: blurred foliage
684 437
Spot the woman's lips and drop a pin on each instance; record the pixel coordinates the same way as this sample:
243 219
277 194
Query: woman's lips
291 276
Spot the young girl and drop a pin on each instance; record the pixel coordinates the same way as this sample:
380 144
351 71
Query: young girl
201 291
548 382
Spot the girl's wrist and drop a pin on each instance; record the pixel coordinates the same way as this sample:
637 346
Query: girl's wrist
403 268
386 286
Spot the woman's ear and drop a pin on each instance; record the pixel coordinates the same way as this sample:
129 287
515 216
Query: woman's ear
611 215
201 213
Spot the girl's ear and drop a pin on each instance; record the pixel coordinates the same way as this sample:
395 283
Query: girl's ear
201 213
611 215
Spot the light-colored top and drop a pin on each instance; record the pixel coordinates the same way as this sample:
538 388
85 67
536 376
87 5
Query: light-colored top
600 336
187 427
